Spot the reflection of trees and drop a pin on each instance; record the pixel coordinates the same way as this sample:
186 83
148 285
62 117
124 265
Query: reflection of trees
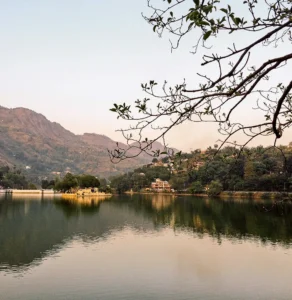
26 231
30 230
232 219
76 205
238 219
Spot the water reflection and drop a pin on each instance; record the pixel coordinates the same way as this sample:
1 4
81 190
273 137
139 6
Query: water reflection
32 229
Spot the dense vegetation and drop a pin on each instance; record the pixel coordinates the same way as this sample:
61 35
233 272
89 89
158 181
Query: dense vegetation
255 169
71 181
14 179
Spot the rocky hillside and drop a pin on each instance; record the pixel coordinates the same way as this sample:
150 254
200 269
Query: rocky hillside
29 140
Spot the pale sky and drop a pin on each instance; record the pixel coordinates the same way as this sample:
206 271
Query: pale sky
70 60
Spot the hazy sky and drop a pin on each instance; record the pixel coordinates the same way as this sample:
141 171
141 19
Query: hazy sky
71 60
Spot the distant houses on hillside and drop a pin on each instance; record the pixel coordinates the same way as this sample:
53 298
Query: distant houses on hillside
56 173
159 164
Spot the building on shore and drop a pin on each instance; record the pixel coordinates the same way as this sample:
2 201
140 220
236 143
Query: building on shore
160 186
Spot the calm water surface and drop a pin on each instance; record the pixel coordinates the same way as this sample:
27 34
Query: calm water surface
144 247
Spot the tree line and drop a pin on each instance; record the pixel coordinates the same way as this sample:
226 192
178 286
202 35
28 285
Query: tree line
70 182
228 169
13 178
213 170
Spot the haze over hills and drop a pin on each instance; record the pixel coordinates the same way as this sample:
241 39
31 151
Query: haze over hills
29 140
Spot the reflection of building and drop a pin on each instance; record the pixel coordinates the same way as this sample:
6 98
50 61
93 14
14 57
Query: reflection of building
160 185
160 201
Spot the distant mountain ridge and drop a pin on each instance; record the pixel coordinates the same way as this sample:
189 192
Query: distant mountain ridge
29 139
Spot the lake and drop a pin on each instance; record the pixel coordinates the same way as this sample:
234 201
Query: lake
144 247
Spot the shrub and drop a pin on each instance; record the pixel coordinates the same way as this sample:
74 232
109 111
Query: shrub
32 186
215 188
196 188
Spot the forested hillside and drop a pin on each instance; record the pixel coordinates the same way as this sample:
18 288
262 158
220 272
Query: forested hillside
254 169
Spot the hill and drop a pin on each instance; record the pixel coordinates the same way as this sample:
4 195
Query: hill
29 140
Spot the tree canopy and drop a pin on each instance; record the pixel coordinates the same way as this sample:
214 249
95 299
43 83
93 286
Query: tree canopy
257 169
71 181
217 96
12 178
86 181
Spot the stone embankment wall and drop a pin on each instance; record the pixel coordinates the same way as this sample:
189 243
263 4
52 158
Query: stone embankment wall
30 192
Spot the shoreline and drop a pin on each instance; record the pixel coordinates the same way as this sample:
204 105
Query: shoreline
228 194
255 195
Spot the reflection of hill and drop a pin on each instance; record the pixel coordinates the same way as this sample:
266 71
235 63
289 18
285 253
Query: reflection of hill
30 230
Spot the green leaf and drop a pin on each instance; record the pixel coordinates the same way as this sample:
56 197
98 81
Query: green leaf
237 21
191 25
224 10
207 35
204 23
